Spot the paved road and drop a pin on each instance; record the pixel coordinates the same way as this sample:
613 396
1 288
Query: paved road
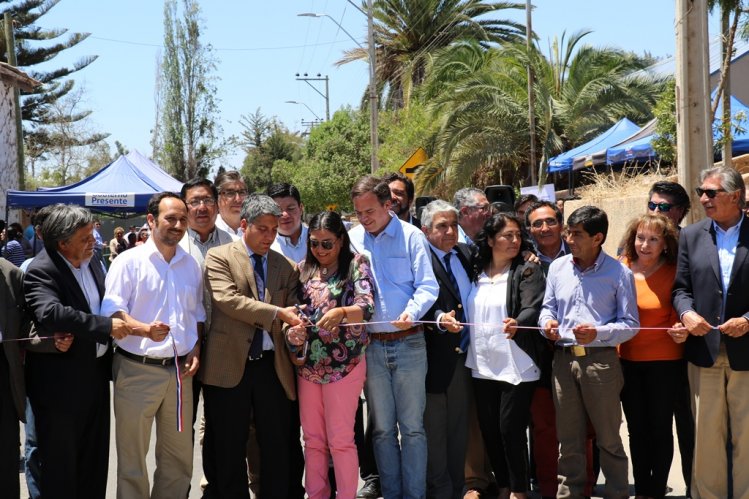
675 480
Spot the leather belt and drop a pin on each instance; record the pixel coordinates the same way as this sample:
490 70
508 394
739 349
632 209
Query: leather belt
152 361
396 335
580 351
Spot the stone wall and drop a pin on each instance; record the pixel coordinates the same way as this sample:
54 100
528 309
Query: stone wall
8 170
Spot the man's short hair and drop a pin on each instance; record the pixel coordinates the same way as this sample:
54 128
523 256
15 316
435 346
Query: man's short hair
673 190
257 205
593 220
730 180
393 176
43 213
525 198
466 197
226 177
155 201
437 206
543 204
198 182
375 185
284 190
62 223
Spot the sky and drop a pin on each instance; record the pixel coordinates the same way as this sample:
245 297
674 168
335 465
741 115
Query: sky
262 44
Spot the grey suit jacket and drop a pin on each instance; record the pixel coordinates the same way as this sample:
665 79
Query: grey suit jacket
237 313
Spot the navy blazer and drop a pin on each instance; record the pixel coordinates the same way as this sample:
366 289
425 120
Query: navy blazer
442 346
698 286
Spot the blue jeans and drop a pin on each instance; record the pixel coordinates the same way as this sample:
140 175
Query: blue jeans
396 394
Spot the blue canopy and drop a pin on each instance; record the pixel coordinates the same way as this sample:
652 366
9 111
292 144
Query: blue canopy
121 186
614 135
639 148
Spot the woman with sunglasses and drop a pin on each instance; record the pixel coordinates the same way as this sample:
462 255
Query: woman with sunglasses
506 295
652 361
329 353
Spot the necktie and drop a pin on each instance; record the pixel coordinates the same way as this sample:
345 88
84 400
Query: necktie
256 347
460 313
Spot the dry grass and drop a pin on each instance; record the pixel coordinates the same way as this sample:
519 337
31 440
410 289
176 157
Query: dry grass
609 185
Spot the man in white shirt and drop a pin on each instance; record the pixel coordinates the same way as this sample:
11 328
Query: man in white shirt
232 191
157 288
291 239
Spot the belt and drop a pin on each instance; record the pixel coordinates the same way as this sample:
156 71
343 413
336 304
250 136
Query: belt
581 351
396 335
152 361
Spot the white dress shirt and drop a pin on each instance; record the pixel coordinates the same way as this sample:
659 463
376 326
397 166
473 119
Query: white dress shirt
144 285
90 290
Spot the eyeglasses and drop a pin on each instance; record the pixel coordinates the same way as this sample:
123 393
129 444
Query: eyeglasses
326 244
208 202
550 222
664 207
480 207
711 193
242 193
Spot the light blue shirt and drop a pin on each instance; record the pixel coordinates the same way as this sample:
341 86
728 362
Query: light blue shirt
267 341
294 252
85 280
726 241
603 295
464 283
463 237
402 271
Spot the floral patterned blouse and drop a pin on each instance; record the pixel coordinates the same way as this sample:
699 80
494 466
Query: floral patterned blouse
332 356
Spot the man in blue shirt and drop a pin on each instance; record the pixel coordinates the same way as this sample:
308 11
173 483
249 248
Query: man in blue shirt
396 357
589 307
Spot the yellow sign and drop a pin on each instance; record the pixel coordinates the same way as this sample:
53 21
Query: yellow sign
332 207
418 158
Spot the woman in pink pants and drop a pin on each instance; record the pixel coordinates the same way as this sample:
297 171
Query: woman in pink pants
331 366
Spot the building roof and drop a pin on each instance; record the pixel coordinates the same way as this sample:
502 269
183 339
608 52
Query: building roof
16 78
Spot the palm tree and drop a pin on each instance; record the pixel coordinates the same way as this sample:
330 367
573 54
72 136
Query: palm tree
481 102
407 32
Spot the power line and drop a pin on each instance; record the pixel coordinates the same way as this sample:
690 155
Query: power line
224 49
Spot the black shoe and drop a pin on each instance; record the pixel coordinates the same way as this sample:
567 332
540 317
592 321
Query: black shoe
370 490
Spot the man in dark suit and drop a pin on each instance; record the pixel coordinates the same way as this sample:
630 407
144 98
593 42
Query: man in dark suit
448 380
246 366
69 392
710 295
12 392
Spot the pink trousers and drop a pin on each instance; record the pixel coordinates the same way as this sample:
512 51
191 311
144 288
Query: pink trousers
327 413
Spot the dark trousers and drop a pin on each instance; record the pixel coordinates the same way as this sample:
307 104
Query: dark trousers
227 416
503 412
648 396
684 420
364 445
73 440
10 442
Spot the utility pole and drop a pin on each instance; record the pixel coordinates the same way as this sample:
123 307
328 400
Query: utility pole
531 94
10 43
725 26
694 137
307 79
373 107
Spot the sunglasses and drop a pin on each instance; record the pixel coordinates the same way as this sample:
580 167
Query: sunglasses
326 245
711 193
663 207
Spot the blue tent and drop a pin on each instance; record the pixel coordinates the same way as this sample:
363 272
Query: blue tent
121 186
639 148
614 135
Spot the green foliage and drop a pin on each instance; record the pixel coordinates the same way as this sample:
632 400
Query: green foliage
408 33
664 141
401 132
186 138
266 141
335 156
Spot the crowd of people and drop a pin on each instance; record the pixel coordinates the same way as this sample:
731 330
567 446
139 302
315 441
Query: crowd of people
466 329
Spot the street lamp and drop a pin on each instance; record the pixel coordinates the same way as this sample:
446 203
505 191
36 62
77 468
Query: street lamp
372 75
305 105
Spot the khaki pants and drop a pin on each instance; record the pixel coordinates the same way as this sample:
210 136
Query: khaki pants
720 394
144 393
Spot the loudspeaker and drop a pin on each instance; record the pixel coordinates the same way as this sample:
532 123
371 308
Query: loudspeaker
503 193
